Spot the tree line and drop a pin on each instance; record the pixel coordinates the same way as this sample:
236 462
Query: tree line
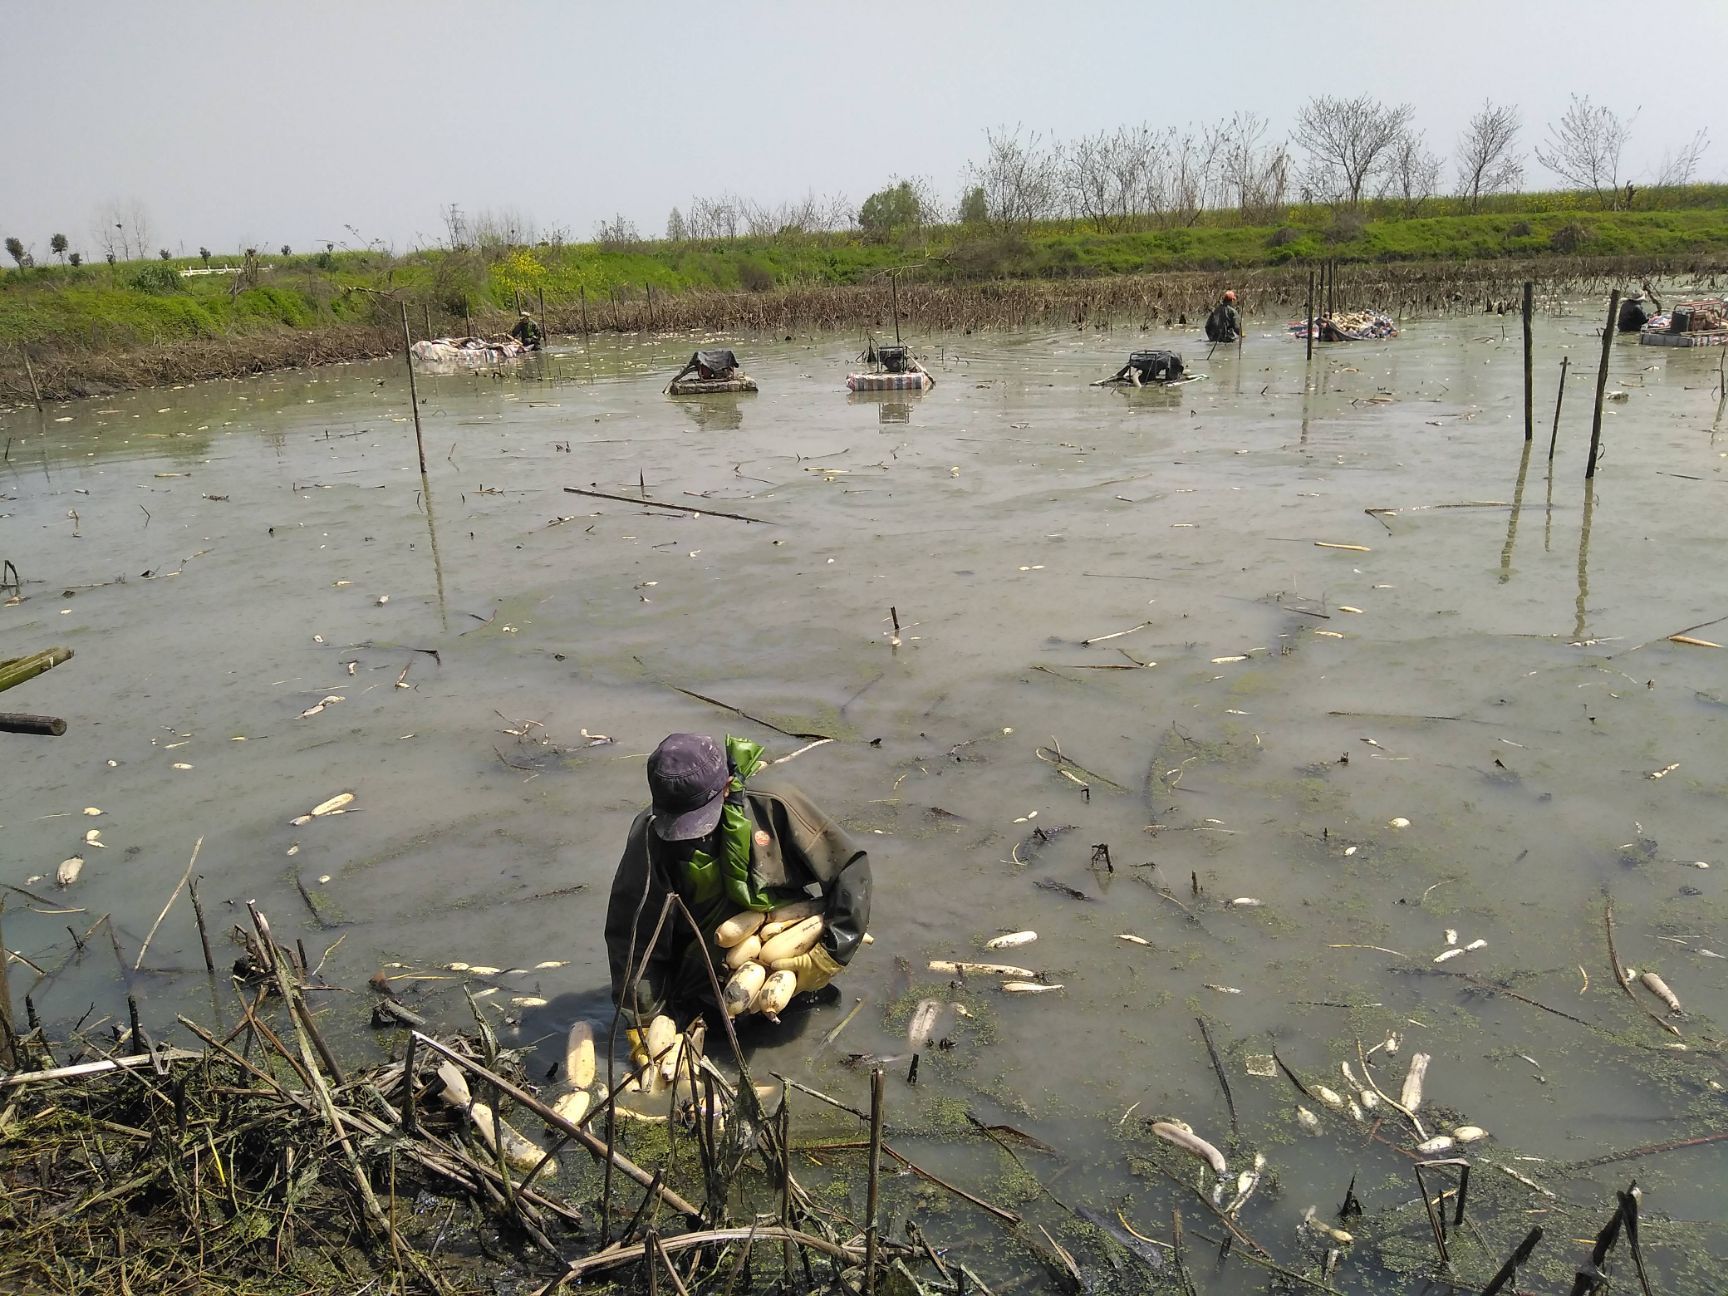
1342 152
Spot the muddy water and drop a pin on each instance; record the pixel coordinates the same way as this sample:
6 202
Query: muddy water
1486 659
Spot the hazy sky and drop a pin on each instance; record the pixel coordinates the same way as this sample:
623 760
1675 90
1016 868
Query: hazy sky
241 122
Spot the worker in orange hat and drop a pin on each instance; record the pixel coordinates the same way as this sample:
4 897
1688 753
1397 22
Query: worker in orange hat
1224 324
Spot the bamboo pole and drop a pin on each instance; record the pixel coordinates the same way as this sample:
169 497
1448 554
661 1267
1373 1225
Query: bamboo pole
1559 398
583 289
1601 385
413 389
31 370
19 669
1529 374
541 291
878 1080
428 306
1310 313
8 1054
203 931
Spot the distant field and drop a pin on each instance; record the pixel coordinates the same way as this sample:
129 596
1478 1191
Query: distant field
57 311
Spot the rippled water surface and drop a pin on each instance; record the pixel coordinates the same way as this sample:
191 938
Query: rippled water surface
1267 617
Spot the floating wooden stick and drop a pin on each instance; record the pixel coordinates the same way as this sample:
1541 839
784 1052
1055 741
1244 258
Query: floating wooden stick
172 897
1087 643
680 508
1620 973
21 722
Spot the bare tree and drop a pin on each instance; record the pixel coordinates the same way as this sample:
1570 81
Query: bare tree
1412 172
1488 162
1256 176
1679 166
1584 146
1195 177
617 232
1020 176
122 228
714 218
676 231
1348 142
455 227
1116 180
507 227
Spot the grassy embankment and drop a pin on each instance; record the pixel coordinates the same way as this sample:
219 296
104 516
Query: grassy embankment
135 323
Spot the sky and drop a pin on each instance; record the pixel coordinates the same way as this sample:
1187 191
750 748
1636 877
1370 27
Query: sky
250 123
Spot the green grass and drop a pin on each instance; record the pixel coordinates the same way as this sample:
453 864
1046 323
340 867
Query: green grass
105 307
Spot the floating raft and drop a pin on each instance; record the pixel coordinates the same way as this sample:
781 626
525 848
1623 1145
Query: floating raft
1702 338
467 351
711 386
1154 384
881 382
1348 326
1699 323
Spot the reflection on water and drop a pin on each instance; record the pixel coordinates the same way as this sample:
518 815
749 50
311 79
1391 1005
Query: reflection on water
1181 590
432 543
1582 602
891 407
1512 520
723 413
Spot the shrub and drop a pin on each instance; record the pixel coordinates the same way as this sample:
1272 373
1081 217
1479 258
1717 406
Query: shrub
1346 227
1303 249
755 276
1569 238
159 278
1284 235
985 256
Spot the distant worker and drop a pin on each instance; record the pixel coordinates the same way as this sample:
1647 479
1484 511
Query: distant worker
1224 324
1634 314
527 332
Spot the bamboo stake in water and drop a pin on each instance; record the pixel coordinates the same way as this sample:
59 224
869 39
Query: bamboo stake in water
30 369
1559 397
878 1081
1601 384
1529 377
7 1054
203 932
413 388
1310 314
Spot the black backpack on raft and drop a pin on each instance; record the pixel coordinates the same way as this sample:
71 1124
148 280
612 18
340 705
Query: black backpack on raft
1156 366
